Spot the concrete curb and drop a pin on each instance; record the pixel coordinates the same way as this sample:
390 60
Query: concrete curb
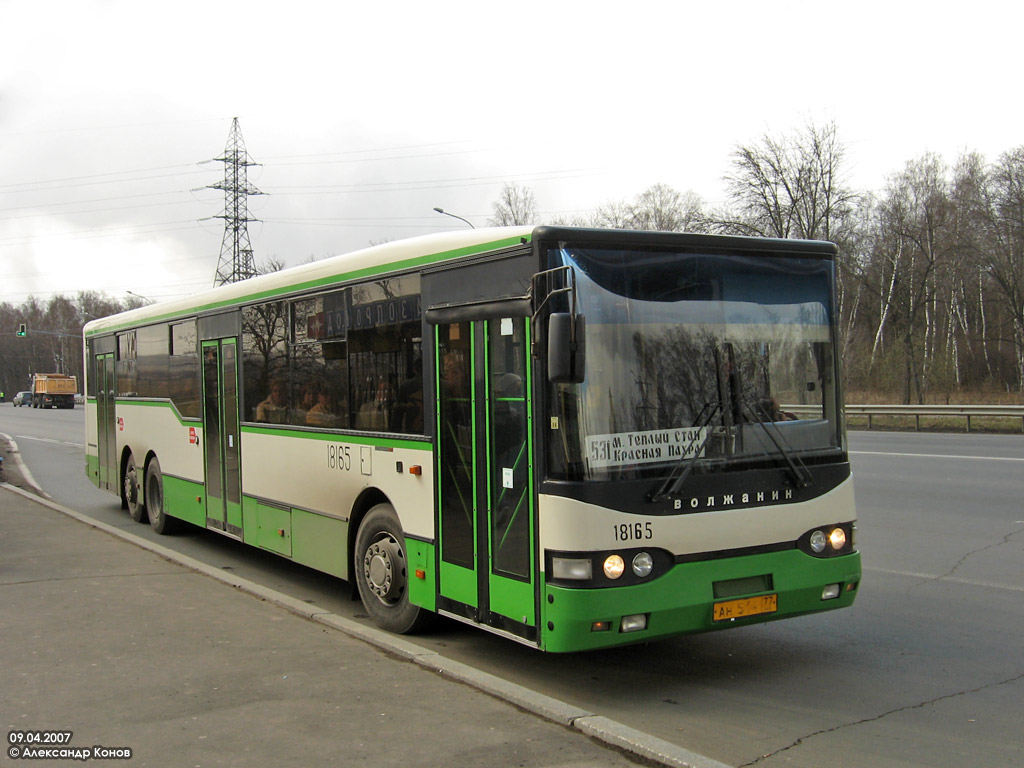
20 466
601 729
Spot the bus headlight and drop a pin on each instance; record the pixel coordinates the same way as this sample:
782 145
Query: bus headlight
828 541
837 538
643 564
614 566
818 542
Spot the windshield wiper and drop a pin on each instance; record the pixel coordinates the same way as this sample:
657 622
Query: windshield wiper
685 465
801 475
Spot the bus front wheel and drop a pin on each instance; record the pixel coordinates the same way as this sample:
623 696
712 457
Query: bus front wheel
382 572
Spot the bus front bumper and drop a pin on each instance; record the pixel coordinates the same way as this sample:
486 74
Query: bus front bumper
684 600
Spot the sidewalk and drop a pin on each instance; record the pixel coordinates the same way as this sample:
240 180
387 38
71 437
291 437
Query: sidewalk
129 649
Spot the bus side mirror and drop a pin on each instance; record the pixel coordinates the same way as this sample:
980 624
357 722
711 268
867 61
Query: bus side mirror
566 348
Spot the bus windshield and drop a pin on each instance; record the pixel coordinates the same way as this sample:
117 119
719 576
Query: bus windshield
720 360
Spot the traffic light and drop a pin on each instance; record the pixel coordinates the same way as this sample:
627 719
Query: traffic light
23 330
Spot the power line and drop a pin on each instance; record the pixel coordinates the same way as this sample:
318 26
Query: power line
88 234
97 179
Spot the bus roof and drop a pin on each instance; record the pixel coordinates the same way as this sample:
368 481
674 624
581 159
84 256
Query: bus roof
379 259
418 252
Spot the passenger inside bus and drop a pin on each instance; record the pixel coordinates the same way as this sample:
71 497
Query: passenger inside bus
408 413
274 410
375 413
323 414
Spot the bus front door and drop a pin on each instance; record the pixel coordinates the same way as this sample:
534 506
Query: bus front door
106 422
486 527
220 426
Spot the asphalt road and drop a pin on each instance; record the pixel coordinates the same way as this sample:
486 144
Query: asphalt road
927 669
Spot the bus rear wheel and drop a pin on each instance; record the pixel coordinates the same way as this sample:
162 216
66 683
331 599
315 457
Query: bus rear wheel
382 572
158 518
131 491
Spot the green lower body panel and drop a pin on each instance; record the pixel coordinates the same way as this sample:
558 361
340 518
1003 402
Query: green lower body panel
682 600
274 529
185 500
421 574
319 542
314 540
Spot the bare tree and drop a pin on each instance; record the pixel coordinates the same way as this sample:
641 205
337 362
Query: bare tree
659 207
612 215
272 264
789 187
516 206
917 237
663 208
1006 245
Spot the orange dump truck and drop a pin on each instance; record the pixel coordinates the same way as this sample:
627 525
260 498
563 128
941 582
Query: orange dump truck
53 390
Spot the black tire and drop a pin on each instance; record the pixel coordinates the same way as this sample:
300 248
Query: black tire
131 491
160 521
382 573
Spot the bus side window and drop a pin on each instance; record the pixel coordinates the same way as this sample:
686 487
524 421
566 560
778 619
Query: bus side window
264 346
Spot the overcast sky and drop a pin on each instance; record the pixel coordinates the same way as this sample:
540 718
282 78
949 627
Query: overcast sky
364 116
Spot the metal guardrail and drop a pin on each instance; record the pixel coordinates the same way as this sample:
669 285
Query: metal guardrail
917 411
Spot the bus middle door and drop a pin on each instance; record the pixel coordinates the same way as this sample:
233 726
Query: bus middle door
486 530
106 421
220 422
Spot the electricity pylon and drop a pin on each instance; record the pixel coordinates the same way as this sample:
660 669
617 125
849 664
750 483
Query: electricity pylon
236 262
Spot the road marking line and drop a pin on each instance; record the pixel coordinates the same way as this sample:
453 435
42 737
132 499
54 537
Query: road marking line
50 440
954 579
935 456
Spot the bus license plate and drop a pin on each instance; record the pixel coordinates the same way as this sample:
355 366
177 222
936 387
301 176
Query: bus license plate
748 606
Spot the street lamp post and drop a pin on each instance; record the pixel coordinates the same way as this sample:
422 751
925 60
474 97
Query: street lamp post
446 213
140 296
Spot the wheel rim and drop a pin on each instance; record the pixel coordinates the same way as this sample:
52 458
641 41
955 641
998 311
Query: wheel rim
155 500
131 485
384 569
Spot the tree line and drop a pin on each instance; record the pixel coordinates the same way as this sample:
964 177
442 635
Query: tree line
930 293
53 343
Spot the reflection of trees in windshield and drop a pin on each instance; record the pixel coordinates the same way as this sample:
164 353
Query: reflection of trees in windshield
666 377
679 373
675 377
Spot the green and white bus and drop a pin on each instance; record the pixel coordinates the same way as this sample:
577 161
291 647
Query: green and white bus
574 438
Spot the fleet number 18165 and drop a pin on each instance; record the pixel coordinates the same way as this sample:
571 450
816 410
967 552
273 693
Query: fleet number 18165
633 531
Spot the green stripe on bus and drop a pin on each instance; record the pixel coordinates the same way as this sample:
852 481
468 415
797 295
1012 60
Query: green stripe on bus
191 422
336 437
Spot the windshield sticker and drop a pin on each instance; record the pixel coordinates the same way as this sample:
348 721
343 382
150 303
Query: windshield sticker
647 447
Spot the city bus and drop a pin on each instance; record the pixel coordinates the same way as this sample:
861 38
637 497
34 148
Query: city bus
574 438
